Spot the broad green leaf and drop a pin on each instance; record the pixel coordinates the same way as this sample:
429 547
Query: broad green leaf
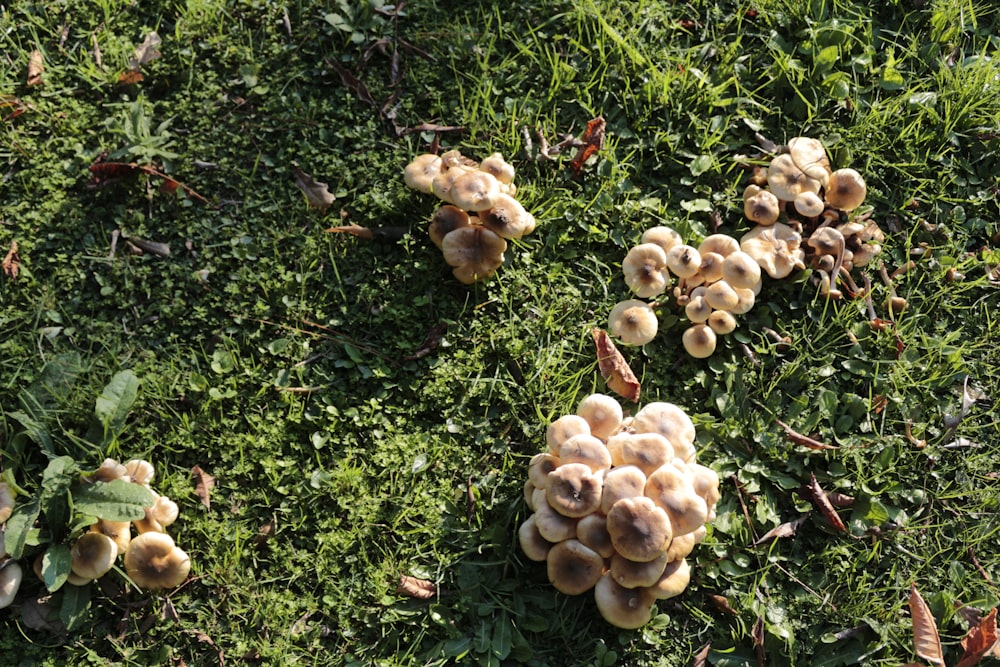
56 481
115 401
34 429
75 605
117 500
501 642
19 525
700 165
56 565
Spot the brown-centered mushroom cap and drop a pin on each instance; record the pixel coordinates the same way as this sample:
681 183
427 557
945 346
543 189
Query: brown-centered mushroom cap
809 155
627 608
697 309
722 322
592 531
502 170
675 578
573 489
624 481
748 297
633 322
574 568
647 451
632 574
92 555
671 489
140 471
419 173
603 413
564 428
720 295
683 260
671 422
682 545
444 180
706 484
446 219
540 466
809 204
534 546
846 189
639 529
153 561
775 248
586 449
119 531
475 191
787 181
740 270
827 241
474 251
552 525
645 269
665 237
761 206
722 244
508 218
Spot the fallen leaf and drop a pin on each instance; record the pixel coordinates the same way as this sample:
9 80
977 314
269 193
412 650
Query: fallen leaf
822 502
800 439
385 233
204 483
352 82
316 193
722 604
431 342
420 589
926 642
980 640
593 141
169 612
758 641
613 367
148 51
12 262
265 532
152 247
787 529
701 657
432 127
128 77
36 65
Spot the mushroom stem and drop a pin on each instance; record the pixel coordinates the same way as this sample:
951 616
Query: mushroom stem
853 290
872 317
905 268
919 444
781 343
895 303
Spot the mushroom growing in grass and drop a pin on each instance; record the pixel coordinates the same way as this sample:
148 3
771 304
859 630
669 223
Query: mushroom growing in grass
508 218
846 189
420 172
534 546
673 491
675 578
475 253
665 237
552 525
672 423
154 562
645 451
632 574
586 449
683 260
809 205
639 529
624 481
161 514
539 468
761 206
740 270
592 531
93 555
720 244
809 155
574 568
645 269
496 165
633 322
775 248
119 531
446 219
140 471
11 575
699 341
562 429
626 608
573 490
475 191
602 413
786 181
722 322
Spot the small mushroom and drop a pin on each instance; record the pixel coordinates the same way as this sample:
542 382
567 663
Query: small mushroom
573 490
475 253
673 491
153 562
624 481
108 471
508 218
93 555
722 322
808 204
552 525
633 322
639 529
534 546
697 309
787 181
672 423
633 574
645 269
444 180
496 165
722 244
720 295
675 578
740 270
747 299
592 531
161 514
602 413
574 568
562 429
775 248
11 575
683 260
586 449
446 219
539 468
846 189
119 531
6 502
809 155
665 237
646 451
419 173
475 191
626 608
761 206
699 341
711 266
682 545
140 471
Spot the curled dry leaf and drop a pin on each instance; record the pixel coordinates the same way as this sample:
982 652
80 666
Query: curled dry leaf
420 589
701 657
822 502
148 51
613 367
980 640
316 193
721 603
926 641
593 140
36 67
204 483
386 233
786 529
12 262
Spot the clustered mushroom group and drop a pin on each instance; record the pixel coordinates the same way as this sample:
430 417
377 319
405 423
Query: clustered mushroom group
480 213
618 503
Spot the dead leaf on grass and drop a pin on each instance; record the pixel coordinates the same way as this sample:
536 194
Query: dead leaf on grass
266 531
787 529
980 640
431 342
926 641
613 367
316 192
36 66
593 141
701 657
420 589
822 502
12 262
146 52
385 233
204 483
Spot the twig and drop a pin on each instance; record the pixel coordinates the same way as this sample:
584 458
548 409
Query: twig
800 439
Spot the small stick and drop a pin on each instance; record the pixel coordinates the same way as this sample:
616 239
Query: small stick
800 439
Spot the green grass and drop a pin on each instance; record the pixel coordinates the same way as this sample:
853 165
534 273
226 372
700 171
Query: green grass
387 466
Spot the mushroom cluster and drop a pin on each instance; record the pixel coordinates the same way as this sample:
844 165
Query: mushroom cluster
716 281
618 503
480 213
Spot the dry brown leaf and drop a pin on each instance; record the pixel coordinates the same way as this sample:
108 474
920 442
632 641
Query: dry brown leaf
786 529
316 193
266 531
420 589
613 367
926 641
820 499
592 141
758 641
169 612
701 657
204 483
980 640
12 262
721 602
431 342
800 439
147 51
36 65
384 233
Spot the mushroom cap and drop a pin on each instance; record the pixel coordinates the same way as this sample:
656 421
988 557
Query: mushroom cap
108 471
444 180
496 165
159 515
809 204
153 561
827 241
697 309
645 269
675 578
682 545
11 575
846 189
93 554
775 248
626 608
740 270
119 531
592 531
564 428
632 574
475 191
720 295
809 155
574 568
633 322
454 158
722 244
647 452
421 170
140 471
722 322
508 218
787 181
573 489
671 422
474 251
673 492
866 253
639 529
683 260
747 299
445 219
552 525
540 466
625 481
711 266
603 413
705 482
586 449
529 490
762 206
534 546
665 237
699 341
6 504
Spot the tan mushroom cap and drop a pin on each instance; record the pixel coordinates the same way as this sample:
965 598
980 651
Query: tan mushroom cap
675 578
670 421
420 172
496 165
454 158
475 253
682 545
866 253
592 531
93 555
633 574
508 218
574 568
665 237
552 525
603 414
647 451
161 514
6 502
573 489
722 322
809 204
534 546
639 529
633 322
699 341
108 471
720 295
563 429
475 191
683 260
153 561
624 481
761 206
11 576
445 219
626 608
740 270
444 180
697 309
706 484
827 241
711 266
846 189
140 471
529 490
809 155
787 181
673 492
586 449
645 269
748 297
119 531
775 248
721 244
540 466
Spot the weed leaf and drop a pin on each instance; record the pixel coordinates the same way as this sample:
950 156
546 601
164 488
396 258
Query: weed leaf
979 640
613 367
54 497
20 523
316 193
204 483
75 605
12 262
118 500
113 405
420 589
56 566
926 642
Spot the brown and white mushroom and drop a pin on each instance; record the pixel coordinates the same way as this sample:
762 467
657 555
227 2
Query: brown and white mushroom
153 561
93 555
562 429
633 574
586 449
624 481
592 531
639 529
573 568
573 490
420 172
775 248
475 253
534 546
633 322
603 414
761 206
846 189
626 608
446 219
645 269
670 421
673 491
665 237
675 578
787 181
508 218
